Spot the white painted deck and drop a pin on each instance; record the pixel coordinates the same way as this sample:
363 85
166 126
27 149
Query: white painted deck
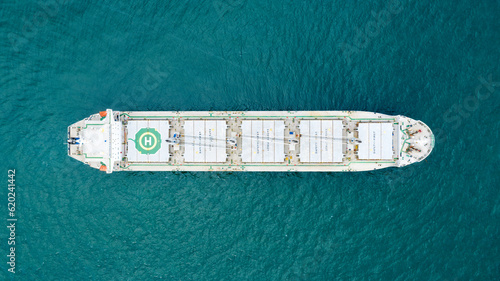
376 141
205 141
321 141
263 141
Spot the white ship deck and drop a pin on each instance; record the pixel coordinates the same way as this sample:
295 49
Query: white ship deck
248 141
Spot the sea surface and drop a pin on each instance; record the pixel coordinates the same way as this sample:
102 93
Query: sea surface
435 61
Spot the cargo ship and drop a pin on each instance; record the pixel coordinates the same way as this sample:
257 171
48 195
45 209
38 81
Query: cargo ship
253 141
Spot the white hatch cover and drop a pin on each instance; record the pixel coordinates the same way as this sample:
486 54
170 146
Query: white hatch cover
263 141
205 141
146 141
376 141
321 141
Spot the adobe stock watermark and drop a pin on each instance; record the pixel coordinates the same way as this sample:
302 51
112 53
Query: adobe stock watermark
155 75
453 117
371 29
222 7
47 9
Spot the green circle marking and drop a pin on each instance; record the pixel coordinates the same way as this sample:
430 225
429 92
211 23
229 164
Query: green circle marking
147 141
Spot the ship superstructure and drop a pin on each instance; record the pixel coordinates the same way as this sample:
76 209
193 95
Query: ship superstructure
327 141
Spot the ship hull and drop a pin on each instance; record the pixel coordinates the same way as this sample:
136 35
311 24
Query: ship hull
253 141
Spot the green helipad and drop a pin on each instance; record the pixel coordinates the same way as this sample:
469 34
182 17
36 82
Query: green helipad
144 138
148 141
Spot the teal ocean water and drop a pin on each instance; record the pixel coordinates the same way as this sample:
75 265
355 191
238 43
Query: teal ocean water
435 61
